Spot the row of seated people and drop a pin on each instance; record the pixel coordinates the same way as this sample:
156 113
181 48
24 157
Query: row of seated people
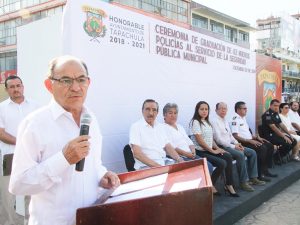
281 126
151 142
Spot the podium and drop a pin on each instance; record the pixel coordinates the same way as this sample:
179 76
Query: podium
179 194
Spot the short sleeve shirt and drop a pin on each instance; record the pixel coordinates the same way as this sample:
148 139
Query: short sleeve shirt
205 130
240 126
287 122
268 118
152 141
11 115
178 137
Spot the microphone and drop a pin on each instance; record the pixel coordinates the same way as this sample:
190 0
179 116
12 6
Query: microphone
85 122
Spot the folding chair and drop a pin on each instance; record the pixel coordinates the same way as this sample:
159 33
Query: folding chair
129 159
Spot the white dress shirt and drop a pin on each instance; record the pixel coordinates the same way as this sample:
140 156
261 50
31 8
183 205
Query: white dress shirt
294 117
41 170
287 122
11 115
178 137
285 119
222 133
240 126
152 141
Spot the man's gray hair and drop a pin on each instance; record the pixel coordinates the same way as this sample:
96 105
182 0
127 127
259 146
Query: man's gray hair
169 106
63 59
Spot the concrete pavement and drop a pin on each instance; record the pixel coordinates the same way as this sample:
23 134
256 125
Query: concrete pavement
3 217
282 209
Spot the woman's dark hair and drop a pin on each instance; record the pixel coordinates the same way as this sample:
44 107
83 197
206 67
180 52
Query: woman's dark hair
196 115
282 105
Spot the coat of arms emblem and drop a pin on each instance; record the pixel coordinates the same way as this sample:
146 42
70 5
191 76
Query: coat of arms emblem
93 25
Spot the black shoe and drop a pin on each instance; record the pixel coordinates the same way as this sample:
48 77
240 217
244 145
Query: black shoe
263 178
217 193
230 194
268 174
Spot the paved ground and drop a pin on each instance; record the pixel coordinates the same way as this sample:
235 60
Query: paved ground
3 219
282 209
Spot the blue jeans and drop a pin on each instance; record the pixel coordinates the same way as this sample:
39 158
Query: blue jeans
239 156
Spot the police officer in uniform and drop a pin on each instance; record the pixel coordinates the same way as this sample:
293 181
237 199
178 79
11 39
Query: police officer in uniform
275 131
242 132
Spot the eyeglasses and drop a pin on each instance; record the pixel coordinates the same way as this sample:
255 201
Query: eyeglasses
150 110
15 86
68 82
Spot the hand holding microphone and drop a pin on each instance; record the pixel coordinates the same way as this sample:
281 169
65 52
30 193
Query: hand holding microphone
77 149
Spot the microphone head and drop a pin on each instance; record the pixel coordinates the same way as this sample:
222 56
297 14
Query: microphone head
85 119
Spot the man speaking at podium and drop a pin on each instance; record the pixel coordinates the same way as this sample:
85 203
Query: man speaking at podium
48 147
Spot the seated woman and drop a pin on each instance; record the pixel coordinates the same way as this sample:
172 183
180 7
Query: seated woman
202 137
180 141
284 110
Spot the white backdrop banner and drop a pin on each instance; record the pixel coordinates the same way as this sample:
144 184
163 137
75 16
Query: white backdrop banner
132 57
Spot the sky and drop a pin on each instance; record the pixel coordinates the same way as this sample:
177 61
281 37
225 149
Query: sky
251 10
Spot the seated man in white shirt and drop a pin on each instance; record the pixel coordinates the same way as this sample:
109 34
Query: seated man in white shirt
224 138
294 116
264 149
182 144
149 141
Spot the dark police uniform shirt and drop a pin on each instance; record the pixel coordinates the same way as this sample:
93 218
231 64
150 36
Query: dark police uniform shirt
270 117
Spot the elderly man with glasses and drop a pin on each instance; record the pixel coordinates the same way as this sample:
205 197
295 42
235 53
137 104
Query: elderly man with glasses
48 147
223 137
